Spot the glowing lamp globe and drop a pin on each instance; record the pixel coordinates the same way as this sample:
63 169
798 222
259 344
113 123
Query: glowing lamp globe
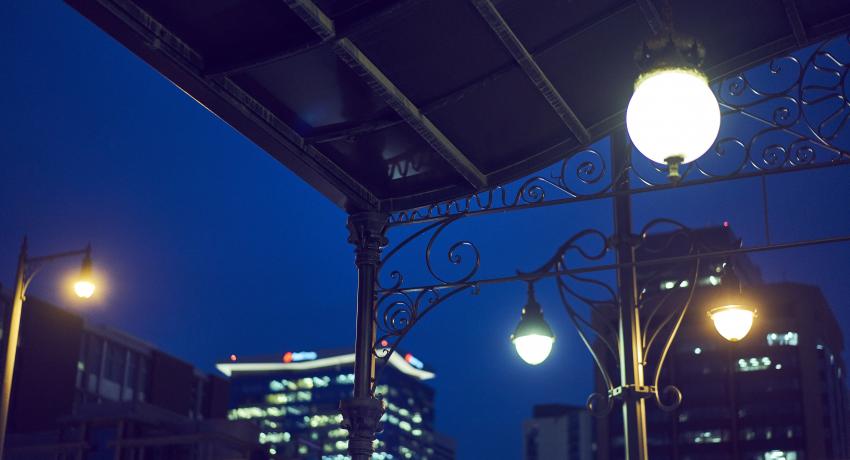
534 348
673 117
533 338
733 322
84 287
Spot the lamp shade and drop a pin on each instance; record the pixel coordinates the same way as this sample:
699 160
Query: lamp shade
733 321
533 338
673 117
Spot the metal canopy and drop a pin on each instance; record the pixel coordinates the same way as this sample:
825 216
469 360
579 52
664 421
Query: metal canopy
388 105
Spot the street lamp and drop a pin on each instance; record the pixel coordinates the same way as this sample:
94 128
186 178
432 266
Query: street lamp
734 314
533 338
673 116
84 287
27 269
733 321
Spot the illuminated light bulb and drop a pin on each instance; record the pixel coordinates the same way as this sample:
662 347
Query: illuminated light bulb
84 289
534 349
733 322
533 338
673 116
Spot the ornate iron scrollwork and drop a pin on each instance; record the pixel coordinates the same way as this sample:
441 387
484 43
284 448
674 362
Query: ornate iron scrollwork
789 113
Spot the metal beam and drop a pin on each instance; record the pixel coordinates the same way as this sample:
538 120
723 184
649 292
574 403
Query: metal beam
314 17
386 89
217 69
528 65
223 69
330 134
652 16
796 22
177 61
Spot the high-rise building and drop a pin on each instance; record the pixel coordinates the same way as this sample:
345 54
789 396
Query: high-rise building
778 394
89 392
559 432
294 398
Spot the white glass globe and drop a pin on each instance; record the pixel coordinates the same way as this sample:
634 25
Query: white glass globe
733 322
673 115
534 349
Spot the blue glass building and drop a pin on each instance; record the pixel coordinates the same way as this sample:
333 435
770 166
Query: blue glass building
294 398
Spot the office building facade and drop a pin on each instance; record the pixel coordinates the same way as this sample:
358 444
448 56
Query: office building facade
778 394
559 432
294 399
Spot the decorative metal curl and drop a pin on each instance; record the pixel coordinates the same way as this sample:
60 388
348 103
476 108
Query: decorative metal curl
600 404
579 175
662 398
397 313
454 255
589 245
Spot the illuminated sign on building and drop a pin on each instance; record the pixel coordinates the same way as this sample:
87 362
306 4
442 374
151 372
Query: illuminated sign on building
413 361
298 356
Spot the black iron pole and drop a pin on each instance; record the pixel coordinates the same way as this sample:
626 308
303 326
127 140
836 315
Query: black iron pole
362 413
633 389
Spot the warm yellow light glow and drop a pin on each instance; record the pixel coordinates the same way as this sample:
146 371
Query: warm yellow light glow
84 289
733 322
533 349
673 114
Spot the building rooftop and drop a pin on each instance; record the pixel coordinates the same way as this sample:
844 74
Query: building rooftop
297 361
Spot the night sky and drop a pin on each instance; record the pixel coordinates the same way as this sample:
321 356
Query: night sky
210 247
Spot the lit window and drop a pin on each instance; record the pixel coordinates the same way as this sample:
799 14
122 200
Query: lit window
780 455
753 364
345 379
782 339
706 437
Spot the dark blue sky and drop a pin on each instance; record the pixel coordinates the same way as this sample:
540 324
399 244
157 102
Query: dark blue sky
211 247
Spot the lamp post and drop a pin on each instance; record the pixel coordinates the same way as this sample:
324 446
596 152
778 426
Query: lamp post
632 334
28 267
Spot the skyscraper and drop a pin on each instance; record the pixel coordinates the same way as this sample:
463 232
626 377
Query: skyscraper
778 394
294 398
559 432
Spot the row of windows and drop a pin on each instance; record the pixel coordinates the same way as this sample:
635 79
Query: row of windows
111 371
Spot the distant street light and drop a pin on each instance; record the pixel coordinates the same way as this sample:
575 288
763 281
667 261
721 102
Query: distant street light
84 287
27 269
533 338
673 117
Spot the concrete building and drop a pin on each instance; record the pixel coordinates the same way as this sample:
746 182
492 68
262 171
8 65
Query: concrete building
89 392
559 432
